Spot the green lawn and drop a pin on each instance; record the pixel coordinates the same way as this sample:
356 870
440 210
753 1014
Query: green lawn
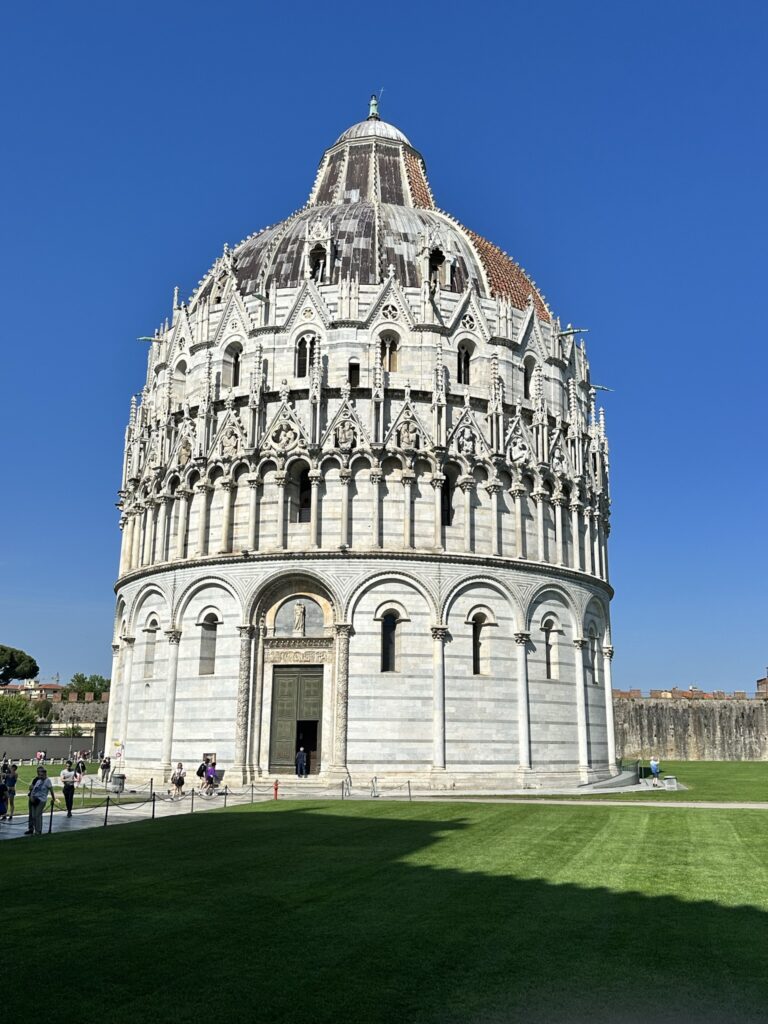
376 912
712 780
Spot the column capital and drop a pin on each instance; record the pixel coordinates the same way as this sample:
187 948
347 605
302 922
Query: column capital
408 476
540 495
245 632
174 636
376 476
493 488
575 506
203 488
517 491
227 485
466 483
342 629
115 648
439 632
129 640
280 477
522 637
253 482
559 501
580 643
315 476
608 652
345 475
182 493
437 480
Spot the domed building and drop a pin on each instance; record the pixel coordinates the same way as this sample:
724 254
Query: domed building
365 507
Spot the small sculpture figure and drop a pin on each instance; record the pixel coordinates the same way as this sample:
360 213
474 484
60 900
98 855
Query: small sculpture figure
558 462
466 441
345 432
230 444
299 618
519 449
408 433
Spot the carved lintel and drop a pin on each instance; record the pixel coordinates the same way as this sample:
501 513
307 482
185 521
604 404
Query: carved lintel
303 656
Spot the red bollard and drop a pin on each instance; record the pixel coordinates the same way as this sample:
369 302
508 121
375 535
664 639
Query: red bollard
275 787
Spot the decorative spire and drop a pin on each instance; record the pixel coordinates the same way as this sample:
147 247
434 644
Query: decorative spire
373 109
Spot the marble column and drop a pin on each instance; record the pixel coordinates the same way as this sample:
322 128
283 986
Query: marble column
169 714
581 703
125 544
439 636
376 517
315 477
343 632
558 503
468 487
115 692
162 526
253 510
149 539
523 704
517 494
345 478
588 540
437 488
576 536
610 730
494 489
136 536
225 545
604 534
258 698
125 686
202 522
408 479
540 498
182 497
280 478
597 568
239 768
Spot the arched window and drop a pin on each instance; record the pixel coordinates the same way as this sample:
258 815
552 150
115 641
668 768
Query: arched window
594 656
462 368
317 262
150 641
390 642
390 352
446 501
230 377
305 354
436 261
305 497
353 373
529 365
180 382
480 660
208 628
549 629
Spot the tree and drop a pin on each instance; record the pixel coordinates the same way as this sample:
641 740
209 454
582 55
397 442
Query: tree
17 716
16 664
82 684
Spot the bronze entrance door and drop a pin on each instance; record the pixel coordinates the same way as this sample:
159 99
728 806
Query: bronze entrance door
297 715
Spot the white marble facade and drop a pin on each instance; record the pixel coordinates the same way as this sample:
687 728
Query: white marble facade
366 481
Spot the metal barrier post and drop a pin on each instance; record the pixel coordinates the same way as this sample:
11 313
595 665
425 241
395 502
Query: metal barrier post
409 791
106 811
342 790
225 797
152 788
153 805
192 808
50 821
275 788
251 792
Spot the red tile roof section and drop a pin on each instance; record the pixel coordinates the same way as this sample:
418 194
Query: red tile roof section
506 278
417 182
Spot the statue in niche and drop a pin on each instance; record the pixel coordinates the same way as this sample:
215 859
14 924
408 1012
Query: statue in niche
558 462
466 441
284 436
185 452
409 433
230 443
519 450
345 433
299 618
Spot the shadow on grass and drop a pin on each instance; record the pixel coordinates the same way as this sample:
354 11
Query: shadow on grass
318 915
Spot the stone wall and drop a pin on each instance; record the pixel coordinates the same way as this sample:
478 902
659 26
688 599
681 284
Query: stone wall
686 730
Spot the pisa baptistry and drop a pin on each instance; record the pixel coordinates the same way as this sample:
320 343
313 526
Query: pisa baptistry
365 507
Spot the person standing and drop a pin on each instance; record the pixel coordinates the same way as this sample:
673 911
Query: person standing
301 763
11 781
202 768
177 780
105 766
211 779
81 767
69 778
655 770
3 802
39 789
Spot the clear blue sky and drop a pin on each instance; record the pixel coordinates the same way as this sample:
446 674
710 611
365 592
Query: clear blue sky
617 150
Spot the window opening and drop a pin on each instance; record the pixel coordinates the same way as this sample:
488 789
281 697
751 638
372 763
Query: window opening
390 350
208 628
462 375
317 261
149 649
550 651
389 624
528 367
436 261
305 497
446 502
353 373
478 644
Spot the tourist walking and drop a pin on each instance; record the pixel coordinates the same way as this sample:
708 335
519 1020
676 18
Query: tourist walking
81 766
11 780
69 778
211 781
105 766
39 789
655 771
177 781
3 802
301 763
202 768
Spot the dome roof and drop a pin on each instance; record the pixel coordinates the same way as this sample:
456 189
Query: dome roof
371 208
373 128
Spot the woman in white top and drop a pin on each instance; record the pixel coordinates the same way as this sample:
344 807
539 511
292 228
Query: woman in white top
38 797
177 780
